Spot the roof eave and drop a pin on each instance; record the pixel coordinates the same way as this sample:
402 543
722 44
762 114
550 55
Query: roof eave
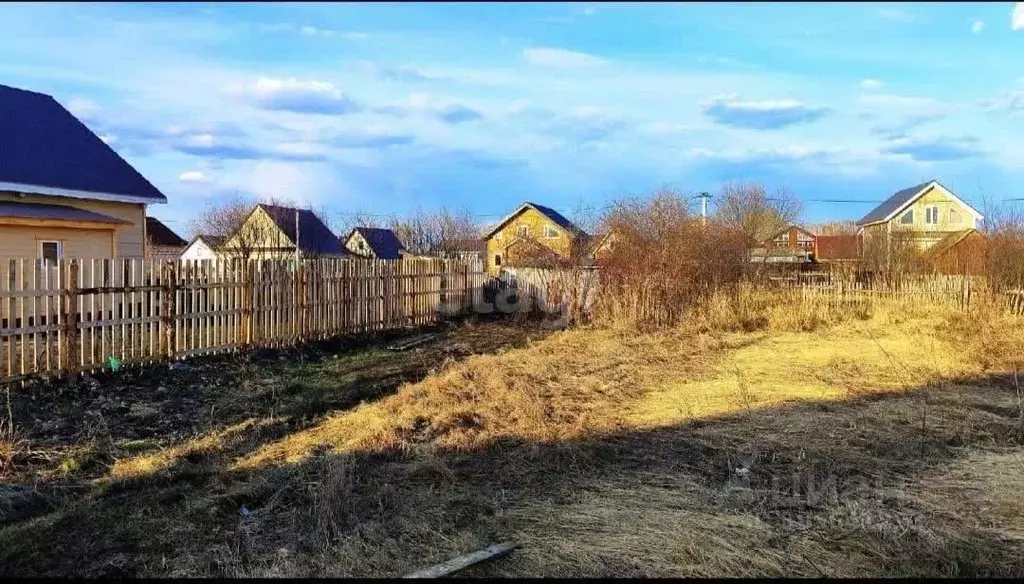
76 194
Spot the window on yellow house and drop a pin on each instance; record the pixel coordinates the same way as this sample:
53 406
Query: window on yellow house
497 260
931 215
907 218
523 231
954 217
51 251
550 232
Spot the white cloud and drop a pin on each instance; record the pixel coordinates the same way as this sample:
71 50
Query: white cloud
1012 101
730 111
311 31
300 96
977 26
560 58
284 26
200 140
299 148
193 176
871 84
83 109
894 14
301 184
308 30
886 100
1017 18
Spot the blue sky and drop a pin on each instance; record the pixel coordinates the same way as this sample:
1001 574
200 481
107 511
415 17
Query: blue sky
386 107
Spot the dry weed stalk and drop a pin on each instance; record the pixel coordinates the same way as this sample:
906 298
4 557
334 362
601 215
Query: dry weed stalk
330 495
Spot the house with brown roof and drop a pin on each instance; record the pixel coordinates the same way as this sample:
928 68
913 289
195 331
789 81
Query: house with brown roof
162 243
838 248
962 252
63 191
794 244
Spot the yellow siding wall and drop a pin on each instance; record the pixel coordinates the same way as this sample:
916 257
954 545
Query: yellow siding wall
130 238
353 245
536 221
260 231
23 242
927 235
937 198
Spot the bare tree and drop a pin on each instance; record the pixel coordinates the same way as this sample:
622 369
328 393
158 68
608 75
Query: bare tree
843 227
758 215
435 233
344 223
222 217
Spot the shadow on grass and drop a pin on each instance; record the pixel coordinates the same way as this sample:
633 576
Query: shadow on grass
73 430
796 468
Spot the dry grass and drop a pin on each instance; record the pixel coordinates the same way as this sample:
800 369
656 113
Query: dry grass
755 440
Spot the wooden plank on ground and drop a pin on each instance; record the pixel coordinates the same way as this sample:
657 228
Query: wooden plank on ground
465 561
409 343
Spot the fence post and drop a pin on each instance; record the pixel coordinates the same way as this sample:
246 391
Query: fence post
300 297
71 341
168 290
246 300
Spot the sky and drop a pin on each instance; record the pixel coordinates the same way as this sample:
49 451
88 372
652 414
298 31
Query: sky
386 108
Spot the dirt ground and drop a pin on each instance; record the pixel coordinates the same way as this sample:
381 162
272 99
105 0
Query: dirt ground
870 448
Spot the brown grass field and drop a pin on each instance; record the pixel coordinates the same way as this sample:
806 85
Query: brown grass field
878 440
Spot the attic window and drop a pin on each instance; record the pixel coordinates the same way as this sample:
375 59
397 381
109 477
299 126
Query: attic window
931 215
523 230
550 232
907 218
954 217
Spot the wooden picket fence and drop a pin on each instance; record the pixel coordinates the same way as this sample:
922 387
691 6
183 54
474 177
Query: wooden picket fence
79 314
951 290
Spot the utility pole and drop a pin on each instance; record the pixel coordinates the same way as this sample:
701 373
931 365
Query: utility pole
296 238
704 196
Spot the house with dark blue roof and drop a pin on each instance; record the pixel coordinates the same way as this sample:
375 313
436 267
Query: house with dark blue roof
530 234
927 213
63 191
374 243
277 232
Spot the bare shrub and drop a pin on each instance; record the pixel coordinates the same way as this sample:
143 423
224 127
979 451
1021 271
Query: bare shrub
665 260
1004 261
749 208
888 256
